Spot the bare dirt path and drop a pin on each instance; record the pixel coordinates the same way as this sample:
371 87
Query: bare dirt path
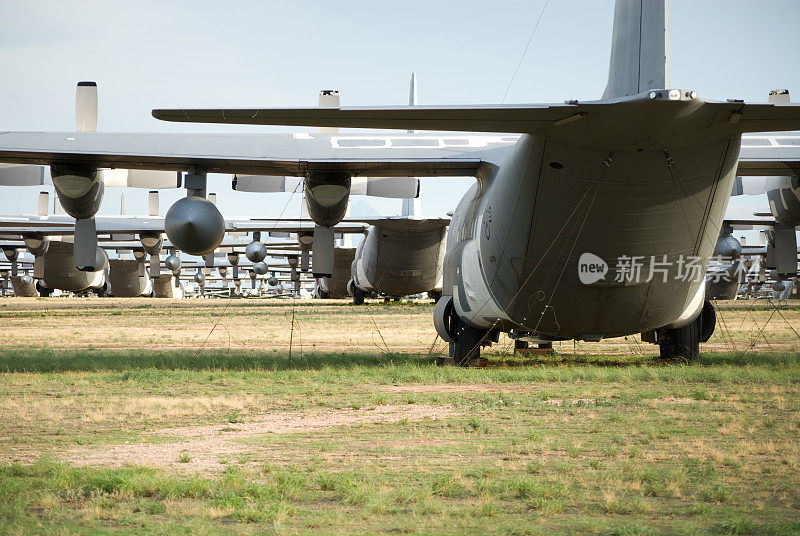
205 448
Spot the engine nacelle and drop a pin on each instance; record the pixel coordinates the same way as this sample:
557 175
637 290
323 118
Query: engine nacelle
272 281
79 188
200 278
37 246
728 247
327 195
195 225
151 243
260 268
784 201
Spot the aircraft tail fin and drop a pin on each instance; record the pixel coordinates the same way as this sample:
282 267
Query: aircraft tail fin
639 48
411 205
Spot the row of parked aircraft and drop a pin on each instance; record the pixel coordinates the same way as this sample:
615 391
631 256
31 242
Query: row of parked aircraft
562 192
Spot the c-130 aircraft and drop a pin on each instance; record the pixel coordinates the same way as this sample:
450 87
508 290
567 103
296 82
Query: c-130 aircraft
643 173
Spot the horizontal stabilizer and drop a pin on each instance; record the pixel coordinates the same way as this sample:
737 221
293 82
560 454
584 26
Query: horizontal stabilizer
15 175
490 118
576 121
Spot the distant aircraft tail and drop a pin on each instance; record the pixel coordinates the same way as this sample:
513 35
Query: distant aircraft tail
639 48
412 205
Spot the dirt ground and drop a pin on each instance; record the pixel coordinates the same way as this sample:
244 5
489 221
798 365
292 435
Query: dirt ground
318 325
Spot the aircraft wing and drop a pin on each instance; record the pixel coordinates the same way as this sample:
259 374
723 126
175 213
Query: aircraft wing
257 225
748 217
258 154
779 159
124 225
399 223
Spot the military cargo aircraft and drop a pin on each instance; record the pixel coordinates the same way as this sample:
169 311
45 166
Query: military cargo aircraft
644 173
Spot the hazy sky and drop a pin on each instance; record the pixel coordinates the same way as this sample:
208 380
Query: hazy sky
149 54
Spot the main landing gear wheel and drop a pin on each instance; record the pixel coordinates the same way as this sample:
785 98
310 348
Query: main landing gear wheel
102 292
681 343
358 296
43 291
684 343
465 340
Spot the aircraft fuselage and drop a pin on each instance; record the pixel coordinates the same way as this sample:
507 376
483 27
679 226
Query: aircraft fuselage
400 257
517 236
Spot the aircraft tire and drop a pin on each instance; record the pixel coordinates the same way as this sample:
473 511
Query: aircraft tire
44 292
102 292
520 345
682 343
466 350
435 295
708 321
358 296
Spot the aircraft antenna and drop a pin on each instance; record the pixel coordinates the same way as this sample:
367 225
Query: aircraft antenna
519 64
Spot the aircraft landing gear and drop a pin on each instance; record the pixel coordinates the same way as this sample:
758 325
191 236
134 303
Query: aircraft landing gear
435 295
466 350
43 291
681 343
465 340
358 296
102 292
684 343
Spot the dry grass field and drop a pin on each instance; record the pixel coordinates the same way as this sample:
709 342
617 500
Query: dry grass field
190 417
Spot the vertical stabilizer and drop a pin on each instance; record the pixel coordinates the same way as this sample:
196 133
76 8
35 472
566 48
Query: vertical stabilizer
639 48
412 205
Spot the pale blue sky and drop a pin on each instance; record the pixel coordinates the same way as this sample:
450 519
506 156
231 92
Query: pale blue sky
149 54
